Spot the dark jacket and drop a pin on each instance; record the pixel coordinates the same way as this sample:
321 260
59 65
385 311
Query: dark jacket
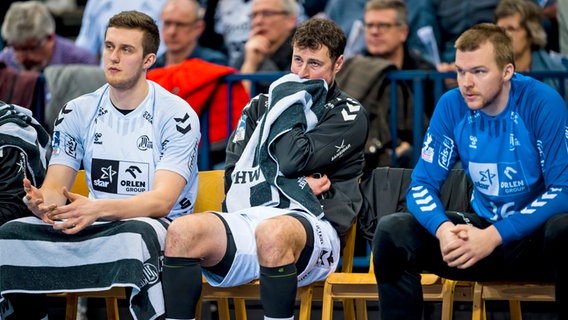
334 147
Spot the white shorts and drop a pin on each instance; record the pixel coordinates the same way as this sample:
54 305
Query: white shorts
245 267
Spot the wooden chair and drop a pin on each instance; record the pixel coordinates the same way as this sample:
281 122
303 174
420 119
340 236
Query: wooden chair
210 194
515 292
306 294
363 286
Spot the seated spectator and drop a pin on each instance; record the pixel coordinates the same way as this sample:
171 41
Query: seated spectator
29 31
386 31
182 26
269 47
523 22
97 13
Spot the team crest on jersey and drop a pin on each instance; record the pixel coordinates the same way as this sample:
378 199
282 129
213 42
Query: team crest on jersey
143 143
120 177
428 149
62 142
240 130
498 179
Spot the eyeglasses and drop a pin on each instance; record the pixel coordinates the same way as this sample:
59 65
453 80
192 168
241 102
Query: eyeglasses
179 24
267 13
381 26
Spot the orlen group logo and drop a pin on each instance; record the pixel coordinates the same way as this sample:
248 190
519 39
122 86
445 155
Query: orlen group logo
120 177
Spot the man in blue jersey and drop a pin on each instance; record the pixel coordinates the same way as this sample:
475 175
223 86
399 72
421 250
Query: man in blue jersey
137 143
509 132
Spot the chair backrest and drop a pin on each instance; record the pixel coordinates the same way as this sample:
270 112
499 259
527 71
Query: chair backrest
80 184
210 192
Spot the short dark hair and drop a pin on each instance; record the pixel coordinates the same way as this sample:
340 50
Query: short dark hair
479 34
317 32
140 21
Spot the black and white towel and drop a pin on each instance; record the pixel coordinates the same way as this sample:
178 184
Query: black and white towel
18 129
292 102
35 258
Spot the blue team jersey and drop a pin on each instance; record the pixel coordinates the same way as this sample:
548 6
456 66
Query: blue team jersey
517 160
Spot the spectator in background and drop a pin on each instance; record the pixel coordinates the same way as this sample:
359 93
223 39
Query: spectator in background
447 20
562 17
182 25
29 31
522 19
386 31
349 15
269 46
97 14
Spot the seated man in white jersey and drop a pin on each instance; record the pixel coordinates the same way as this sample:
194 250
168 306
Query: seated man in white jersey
509 131
291 178
138 146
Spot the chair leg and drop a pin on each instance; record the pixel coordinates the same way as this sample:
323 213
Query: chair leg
306 303
198 309
515 310
448 291
327 304
478 312
223 309
361 308
71 306
112 308
240 309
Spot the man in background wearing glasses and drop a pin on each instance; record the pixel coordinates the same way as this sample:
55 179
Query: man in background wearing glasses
29 31
269 48
182 25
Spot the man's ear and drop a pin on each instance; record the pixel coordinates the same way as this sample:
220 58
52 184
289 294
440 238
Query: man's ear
149 60
338 63
508 71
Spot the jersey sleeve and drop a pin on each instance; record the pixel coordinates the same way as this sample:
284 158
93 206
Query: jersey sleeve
180 142
67 143
438 155
549 122
341 133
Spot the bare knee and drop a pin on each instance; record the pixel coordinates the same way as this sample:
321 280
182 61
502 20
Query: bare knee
279 241
200 235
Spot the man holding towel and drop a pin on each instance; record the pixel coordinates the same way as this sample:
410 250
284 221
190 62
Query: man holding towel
291 179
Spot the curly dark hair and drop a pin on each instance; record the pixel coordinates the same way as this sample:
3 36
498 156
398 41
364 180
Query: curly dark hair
317 32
